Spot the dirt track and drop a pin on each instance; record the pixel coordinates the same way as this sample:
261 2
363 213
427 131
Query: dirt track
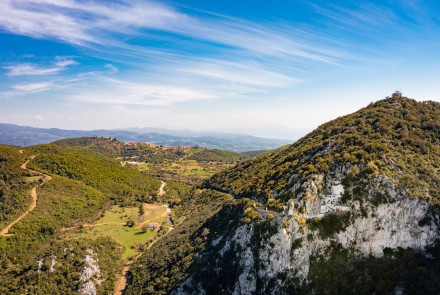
32 193
161 189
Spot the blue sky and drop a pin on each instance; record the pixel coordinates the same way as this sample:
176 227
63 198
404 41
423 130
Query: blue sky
266 68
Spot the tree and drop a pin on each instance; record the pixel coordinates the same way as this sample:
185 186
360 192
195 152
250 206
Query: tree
130 223
141 209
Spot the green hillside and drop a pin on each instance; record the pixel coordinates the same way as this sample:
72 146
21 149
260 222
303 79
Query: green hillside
110 147
183 163
13 186
37 258
147 152
398 137
391 144
95 170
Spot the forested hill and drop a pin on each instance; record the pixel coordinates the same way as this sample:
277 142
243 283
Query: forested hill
95 170
141 151
71 187
351 208
27 136
398 137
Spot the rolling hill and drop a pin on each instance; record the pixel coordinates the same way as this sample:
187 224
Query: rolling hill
27 136
36 256
351 208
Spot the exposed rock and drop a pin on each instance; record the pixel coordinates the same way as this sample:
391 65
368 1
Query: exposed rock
90 275
52 263
394 223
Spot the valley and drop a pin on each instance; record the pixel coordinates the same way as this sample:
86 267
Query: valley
157 147
354 201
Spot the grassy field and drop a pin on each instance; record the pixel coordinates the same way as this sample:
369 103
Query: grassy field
113 224
189 171
31 179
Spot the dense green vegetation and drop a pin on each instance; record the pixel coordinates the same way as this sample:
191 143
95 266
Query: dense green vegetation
169 261
96 170
183 163
65 276
82 184
14 197
402 269
108 146
216 155
61 203
396 137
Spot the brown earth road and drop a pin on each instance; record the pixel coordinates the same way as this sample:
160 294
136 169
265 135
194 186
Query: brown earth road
32 193
161 189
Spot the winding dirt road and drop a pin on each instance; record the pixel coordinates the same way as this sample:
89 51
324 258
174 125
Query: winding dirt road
32 193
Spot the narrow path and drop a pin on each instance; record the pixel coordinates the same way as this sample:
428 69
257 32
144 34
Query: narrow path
32 193
93 225
122 283
161 189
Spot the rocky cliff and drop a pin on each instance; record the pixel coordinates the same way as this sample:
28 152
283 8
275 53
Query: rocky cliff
277 256
351 208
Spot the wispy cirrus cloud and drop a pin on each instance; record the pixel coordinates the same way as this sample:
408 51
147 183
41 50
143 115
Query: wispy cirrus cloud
28 69
26 88
244 73
94 23
121 93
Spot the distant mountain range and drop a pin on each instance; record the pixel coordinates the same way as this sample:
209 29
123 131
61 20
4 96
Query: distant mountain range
27 136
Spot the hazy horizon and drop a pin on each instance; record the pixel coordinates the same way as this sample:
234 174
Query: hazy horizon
274 70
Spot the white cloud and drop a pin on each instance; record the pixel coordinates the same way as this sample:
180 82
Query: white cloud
237 73
119 92
39 118
92 23
32 87
27 69
111 69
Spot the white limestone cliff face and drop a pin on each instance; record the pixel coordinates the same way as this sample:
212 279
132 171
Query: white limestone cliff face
391 225
400 221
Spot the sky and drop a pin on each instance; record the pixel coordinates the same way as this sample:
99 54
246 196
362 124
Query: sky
274 69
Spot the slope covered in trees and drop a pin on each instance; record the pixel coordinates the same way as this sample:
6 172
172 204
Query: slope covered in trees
386 156
36 257
397 136
13 187
96 170
148 152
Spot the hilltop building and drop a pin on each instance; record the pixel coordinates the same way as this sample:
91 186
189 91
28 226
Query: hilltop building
396 94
